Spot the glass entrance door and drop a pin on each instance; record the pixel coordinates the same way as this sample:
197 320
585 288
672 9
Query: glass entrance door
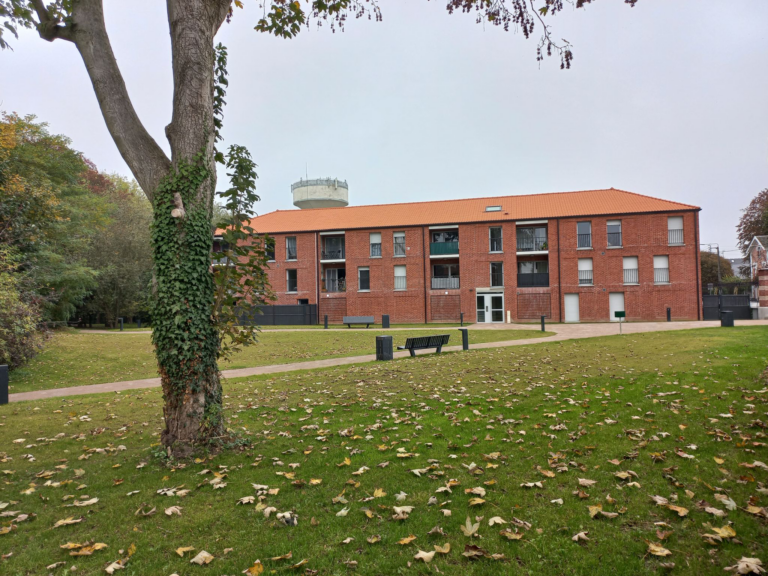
490 308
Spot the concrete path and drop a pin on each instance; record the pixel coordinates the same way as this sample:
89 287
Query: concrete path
562 332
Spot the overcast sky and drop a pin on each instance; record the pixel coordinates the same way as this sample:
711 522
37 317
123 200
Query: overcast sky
669 99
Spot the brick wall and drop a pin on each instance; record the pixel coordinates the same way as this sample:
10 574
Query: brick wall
643 236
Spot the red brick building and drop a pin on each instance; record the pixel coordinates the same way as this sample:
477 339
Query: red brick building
574 256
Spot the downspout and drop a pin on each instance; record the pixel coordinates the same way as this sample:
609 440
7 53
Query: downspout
424 267
696 260
317 283
559 276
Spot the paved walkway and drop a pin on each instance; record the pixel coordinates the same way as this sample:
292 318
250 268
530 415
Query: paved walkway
562 332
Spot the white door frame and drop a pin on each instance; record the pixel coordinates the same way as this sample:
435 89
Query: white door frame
613 298
578 312
488 307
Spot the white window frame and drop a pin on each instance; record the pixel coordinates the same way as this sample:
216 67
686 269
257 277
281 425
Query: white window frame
661 259
296 247
675 223
636 261
395 236
287 280
371 237
501 239
360 269
398 269
586 265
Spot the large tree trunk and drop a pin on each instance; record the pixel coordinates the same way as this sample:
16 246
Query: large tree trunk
181 190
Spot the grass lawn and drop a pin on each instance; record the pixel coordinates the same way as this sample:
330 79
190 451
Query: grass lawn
607 422
78 359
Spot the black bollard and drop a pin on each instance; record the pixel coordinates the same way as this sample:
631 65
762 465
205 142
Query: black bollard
325 322
464 338
669 314
121 324
543 318
385 321
3 384
138 322
462 318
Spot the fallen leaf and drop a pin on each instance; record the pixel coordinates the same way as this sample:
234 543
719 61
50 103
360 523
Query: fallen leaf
658 549
202 558
425 556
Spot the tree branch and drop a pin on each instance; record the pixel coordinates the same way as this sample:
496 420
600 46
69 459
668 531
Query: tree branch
143 155
49 28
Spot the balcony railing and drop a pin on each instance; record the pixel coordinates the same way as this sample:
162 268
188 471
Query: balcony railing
661 275
535 280
337 254
332 285
375 250
497 279
631 276
584 240
675 237
532 244
400 248
443 282
614 239
585 277
400 283
443 248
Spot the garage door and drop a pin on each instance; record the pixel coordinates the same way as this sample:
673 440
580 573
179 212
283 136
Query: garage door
571 307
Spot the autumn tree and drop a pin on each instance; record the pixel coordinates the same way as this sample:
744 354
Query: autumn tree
753 221
709 268
182 187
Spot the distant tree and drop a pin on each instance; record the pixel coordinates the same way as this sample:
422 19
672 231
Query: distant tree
753 221
48 215
120 252
709 268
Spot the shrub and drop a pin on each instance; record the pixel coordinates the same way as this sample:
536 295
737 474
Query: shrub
19 337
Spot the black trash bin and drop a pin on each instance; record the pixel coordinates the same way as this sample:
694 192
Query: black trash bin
384 348
726 319
385 321
4 385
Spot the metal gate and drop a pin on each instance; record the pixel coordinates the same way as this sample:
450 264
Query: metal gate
736 303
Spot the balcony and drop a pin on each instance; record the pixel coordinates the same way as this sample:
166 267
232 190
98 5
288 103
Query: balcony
334 285
584 240
443 283
332 254
376 250
532 244
535 280
631 276
675 237
444 248
661 275
585 277
614 240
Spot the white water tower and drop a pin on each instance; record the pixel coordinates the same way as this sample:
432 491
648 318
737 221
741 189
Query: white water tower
320 193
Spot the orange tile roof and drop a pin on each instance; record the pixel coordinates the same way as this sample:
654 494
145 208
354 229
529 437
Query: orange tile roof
526 207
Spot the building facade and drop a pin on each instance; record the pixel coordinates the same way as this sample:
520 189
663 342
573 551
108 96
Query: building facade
575 257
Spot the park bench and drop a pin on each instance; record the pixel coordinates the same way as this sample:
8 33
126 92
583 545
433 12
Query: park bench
425 342
349 320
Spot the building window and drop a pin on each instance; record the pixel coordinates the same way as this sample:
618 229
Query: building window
497 274
290 248
584 234
269 248
614 233
675 230
445 277
444 242
661 269
533 274
585 272
363 279
334 248
631 273
400 283
495 235
292 284
399 243
532 239
375 241
335 280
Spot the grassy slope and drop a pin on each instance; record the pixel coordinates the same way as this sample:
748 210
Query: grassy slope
72 359
465 405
